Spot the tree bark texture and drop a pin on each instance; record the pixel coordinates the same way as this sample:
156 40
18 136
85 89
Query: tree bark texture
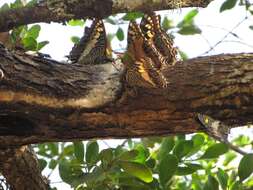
21 169
42 100
64 10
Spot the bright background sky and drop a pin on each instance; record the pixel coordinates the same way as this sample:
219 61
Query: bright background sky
214 26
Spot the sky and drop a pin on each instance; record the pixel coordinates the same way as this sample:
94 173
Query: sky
214 25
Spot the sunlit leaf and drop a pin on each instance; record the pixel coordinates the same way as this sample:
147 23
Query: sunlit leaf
33 32
138 170
245 168
29 44
188 19
77 22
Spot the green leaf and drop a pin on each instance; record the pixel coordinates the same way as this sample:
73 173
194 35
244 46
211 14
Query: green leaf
143 153
198 141
189 30
42 44
211 184
106 157
33 32
16 4
166 146
189 169
166 24
111 21
223 178
75 39
251 27
77 22
194 166
228 4
230 156
215 151
242 140
120 34
79 150
52 164
70 172
42 164
183 55
132 16
236 186
245 168
188 19
182 171
29 44
167 168
92 150
128 155
138 170
131 182
183 148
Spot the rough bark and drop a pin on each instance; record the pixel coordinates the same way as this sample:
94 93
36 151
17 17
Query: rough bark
21 169
42 101
62 10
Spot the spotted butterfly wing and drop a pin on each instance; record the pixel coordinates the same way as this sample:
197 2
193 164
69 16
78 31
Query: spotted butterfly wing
214 127
150 24
92 46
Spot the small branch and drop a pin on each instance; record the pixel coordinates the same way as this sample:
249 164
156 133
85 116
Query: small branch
61 11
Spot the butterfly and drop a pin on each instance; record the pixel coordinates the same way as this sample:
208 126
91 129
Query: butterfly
93 46
151 27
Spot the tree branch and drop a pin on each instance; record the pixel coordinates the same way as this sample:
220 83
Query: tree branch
21 169
62 10
43 101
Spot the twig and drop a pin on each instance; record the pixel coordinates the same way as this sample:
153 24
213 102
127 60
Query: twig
226 35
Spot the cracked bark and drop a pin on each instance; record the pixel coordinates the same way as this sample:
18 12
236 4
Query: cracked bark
84 8
219 86
21 160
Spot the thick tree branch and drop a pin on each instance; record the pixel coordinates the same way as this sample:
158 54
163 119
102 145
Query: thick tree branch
21 169
45 101
63 10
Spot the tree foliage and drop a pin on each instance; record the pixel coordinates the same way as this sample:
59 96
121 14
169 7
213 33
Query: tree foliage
179 162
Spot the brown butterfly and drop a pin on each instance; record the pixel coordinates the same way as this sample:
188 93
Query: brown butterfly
151 27
140 69
92 48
